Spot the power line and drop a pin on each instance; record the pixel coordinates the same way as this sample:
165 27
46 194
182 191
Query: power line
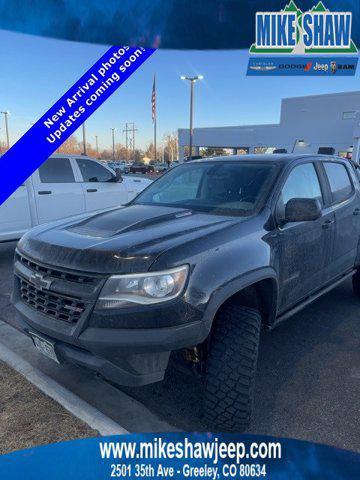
129 131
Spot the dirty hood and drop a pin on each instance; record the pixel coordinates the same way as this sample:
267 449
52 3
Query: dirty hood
123 240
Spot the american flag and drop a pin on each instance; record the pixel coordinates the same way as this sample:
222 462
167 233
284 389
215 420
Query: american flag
153 101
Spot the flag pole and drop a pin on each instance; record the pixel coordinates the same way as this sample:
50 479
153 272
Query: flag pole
155 138
155 118
154 112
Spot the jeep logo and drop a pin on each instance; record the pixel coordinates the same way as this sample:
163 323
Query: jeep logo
40 282
322 67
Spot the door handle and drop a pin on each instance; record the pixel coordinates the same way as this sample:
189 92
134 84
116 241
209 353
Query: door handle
45 192
327 224
91 190
356 211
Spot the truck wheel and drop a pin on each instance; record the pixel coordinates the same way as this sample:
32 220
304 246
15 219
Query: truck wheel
356 283
231 368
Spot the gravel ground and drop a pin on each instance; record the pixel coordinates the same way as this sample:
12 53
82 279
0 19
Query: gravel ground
29 418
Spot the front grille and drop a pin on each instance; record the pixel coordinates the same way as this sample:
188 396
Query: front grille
52 304
54 273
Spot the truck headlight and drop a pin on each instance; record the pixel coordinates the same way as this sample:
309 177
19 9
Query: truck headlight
143 288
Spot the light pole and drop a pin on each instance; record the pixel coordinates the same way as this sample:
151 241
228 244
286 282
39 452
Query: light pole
7 128
113 141
192 81
84 139
298 143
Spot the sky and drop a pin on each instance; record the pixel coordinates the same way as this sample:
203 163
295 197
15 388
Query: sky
36 71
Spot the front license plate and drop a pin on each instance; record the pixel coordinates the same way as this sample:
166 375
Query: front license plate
46 347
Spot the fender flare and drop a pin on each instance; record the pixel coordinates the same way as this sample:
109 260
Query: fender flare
227 290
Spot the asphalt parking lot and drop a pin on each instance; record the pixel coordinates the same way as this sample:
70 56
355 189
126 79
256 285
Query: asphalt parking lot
308 384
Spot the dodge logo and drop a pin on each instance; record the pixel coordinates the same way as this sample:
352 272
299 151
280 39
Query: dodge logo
40 282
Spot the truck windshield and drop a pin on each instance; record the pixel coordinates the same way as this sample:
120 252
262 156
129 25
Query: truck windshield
234 188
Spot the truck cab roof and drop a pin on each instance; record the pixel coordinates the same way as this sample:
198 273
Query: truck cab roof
277 157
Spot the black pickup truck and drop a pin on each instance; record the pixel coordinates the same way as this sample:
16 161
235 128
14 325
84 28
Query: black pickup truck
201 261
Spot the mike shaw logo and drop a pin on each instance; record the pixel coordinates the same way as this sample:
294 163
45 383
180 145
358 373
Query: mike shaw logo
316 31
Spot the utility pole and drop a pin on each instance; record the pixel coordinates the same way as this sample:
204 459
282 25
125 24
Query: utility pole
84 139
7 128
129 131
126 141
113 142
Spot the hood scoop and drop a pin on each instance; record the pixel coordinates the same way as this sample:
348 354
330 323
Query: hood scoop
113 223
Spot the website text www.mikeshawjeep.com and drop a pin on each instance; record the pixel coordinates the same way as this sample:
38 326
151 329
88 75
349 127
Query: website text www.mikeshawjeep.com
213 450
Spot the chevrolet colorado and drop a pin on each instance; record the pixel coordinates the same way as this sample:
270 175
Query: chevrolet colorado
200 261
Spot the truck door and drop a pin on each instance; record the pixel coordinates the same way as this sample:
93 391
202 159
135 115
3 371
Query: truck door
100 189
304 247
346 206
15 216
57 194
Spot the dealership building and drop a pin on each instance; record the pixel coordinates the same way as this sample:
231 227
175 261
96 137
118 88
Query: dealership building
306 125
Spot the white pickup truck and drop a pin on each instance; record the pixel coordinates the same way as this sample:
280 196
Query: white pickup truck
64 186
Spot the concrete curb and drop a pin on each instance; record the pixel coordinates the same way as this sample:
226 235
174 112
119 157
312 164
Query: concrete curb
72 403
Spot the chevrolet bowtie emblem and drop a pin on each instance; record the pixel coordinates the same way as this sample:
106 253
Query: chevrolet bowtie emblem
40 282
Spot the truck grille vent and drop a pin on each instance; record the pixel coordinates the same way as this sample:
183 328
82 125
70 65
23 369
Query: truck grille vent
50 272
51 304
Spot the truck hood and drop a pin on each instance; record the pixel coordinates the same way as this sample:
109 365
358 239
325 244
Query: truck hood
124 240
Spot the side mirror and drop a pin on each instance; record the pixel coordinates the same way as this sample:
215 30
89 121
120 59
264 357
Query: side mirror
302 210
118 175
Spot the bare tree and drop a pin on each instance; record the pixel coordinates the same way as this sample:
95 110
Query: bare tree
71 145
170 142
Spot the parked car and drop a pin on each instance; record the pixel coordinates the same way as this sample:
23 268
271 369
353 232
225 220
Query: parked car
160 167
65 185
138 167
122 165
208 255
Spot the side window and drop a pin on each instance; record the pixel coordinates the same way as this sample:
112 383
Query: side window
340 183
302 182
93 172
56 170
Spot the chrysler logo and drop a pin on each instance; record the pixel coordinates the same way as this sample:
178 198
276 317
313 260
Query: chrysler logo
40 282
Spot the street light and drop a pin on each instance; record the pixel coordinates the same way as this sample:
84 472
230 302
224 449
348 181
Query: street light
298 143
113 141
192 81
7 128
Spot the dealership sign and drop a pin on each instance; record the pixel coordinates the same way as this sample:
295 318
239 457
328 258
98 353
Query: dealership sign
319 35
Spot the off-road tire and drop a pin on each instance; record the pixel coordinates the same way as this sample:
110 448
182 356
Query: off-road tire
231 369
356 283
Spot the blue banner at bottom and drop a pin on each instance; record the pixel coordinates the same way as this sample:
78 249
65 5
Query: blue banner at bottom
302 65
181 456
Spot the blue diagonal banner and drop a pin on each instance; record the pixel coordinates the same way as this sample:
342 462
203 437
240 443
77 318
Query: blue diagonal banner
68 114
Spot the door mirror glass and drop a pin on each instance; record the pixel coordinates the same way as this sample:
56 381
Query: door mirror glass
302 210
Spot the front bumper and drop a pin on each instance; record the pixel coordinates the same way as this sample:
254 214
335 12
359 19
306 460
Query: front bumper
129 347
129 357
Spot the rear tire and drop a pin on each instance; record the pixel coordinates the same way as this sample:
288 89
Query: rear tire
231 368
